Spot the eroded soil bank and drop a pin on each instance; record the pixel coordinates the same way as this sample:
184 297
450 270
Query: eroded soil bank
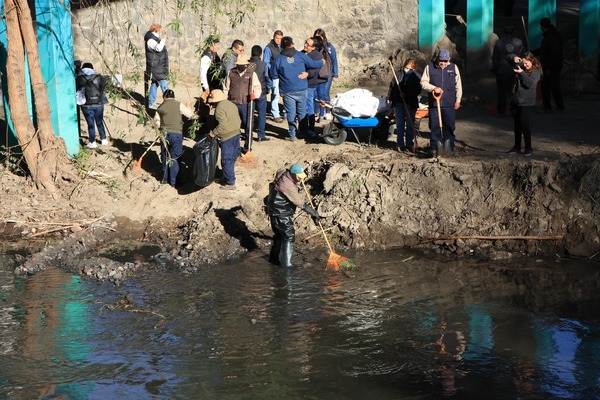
370 199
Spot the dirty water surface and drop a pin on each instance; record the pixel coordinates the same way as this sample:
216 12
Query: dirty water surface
402 326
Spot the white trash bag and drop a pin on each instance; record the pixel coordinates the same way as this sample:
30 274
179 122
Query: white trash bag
358 102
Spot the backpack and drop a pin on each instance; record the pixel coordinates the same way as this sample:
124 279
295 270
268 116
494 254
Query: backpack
325 71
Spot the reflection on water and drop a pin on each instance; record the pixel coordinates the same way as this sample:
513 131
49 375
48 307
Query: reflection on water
419 328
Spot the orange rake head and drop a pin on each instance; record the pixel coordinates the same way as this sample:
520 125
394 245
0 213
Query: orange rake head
248 160
337 262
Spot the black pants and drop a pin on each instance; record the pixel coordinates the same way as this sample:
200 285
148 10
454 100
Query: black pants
283 229
551 88
521 116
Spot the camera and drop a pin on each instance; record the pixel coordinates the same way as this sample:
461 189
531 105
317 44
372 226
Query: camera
519 64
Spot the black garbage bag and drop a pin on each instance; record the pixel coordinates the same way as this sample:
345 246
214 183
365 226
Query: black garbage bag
206 152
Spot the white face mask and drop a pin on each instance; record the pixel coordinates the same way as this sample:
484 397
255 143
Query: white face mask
407 70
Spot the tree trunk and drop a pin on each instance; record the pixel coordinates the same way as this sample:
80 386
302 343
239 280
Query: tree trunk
17 92
44 152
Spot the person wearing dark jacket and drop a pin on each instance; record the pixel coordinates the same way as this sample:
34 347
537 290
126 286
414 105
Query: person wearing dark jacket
291 69
284 197
93 110
527 74
313 47
507 44
405 102
157 62
260 67
551 58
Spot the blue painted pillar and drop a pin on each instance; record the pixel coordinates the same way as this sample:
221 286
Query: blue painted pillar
480 23
55 40
431 22
589 26
539 9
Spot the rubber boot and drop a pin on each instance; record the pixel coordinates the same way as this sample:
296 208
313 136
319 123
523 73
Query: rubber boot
285 256
275 250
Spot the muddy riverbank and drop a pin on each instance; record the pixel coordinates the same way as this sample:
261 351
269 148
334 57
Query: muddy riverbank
481 201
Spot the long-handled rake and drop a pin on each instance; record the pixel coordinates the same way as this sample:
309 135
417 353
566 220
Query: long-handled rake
335 261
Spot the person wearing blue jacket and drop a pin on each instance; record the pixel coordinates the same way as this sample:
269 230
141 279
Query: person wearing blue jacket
291 69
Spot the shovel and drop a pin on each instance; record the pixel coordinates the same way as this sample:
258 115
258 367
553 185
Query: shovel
247 159
438 143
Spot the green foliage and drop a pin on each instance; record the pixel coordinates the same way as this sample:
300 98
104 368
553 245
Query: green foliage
10 159
82 160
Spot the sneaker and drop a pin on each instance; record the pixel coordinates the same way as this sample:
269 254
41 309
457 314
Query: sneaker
153 106
263 139
515 150
291 139
104 142
92 145
528 152
228 187
278 120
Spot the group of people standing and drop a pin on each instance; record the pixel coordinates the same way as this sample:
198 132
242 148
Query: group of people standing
299 78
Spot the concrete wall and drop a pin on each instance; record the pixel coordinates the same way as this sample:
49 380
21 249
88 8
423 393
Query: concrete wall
365 34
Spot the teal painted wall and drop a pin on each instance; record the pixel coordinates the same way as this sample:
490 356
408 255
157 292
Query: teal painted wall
55 41
55 38
480 23
539 9
431 22
589 26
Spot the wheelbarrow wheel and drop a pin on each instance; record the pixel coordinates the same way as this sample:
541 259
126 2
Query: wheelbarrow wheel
334 135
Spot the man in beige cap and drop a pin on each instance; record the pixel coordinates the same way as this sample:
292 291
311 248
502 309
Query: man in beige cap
241 87
228 132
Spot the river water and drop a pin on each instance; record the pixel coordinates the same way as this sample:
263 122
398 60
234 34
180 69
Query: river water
401 326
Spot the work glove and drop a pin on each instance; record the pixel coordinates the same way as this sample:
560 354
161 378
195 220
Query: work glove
252 96
311 211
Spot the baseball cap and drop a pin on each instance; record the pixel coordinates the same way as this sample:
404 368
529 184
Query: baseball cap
297 170
444 55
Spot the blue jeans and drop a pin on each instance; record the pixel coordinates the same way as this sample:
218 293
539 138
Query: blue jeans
261 108
164 86
275 99
175 146
243 112
295 106
230 151
405 123
94 116
308 123
324 94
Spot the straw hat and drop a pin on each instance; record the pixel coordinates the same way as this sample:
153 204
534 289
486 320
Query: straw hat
216 96
242 60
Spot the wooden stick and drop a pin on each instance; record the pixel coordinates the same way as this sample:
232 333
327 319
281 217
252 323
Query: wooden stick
476 237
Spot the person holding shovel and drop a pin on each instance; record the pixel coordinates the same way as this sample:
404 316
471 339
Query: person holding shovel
442 80
241 87
284 197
